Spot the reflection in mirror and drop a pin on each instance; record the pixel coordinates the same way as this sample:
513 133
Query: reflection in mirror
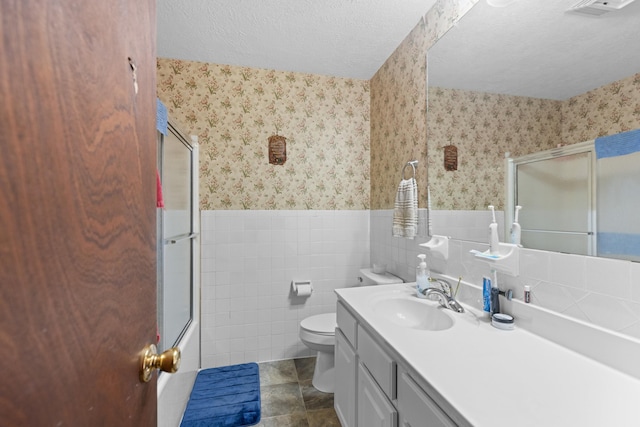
522 79
618 232
557 187
581 198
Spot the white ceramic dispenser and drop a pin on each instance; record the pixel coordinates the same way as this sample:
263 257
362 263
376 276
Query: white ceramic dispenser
494 242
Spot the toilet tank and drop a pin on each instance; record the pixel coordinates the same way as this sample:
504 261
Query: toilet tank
369 278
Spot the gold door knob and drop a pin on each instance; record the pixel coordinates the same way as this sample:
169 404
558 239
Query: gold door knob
168 361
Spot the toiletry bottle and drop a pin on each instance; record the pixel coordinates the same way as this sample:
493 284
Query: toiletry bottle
422 277
495 294
486 295
493 233
515 228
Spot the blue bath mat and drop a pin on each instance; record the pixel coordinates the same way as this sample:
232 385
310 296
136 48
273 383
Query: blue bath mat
224 397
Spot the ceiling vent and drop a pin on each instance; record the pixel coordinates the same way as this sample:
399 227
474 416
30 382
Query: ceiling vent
598 7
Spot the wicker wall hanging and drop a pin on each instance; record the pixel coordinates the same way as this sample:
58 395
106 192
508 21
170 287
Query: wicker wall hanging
450 158
277 149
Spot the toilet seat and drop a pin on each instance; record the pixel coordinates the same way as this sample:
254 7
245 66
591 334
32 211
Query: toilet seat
320 324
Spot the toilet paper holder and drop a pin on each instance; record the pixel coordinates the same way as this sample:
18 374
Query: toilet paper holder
302 288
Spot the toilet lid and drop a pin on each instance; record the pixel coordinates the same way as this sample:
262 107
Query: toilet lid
320 324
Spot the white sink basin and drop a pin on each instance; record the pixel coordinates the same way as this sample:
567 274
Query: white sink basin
413 313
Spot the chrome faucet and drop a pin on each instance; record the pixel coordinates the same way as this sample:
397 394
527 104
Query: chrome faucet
444 285
447 301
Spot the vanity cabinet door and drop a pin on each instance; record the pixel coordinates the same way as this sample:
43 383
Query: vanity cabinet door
345 388
347 324
378 362
374 409
416 408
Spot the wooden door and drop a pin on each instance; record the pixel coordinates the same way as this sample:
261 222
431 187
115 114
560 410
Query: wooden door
77 212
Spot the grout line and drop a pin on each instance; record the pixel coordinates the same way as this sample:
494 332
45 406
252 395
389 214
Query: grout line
299 382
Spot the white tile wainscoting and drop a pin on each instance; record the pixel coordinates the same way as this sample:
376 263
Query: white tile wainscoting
604 292
249 259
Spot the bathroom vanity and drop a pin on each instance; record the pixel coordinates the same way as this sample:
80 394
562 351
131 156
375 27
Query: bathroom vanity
372 388
405 361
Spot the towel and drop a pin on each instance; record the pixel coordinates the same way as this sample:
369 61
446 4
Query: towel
159 198
161 117
619 245
405 214
619 144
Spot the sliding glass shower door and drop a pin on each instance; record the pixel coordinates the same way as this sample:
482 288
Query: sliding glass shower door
557 193
175 238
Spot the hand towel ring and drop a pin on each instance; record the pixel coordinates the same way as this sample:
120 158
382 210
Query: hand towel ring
413 164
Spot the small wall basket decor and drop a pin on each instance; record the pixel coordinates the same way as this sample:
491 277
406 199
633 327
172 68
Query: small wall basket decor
450 158
277 149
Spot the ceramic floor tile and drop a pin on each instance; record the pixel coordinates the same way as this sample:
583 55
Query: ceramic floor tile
298 419
314 399
289 399
281 399
323 418
305 367
279 372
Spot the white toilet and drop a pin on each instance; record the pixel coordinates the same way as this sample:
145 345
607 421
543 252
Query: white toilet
318 333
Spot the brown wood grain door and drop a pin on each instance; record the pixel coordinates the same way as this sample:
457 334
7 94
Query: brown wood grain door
77 212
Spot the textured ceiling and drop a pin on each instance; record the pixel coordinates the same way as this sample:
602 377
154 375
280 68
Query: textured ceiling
534 48
342 38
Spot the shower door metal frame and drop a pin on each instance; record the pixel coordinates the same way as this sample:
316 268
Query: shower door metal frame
192 235
511 165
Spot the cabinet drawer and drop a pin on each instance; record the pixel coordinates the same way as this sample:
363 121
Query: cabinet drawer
416 408
381 366
347 324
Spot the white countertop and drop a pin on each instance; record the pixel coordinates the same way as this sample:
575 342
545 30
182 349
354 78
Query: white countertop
502 378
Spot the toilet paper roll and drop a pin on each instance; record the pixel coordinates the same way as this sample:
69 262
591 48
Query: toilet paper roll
302 289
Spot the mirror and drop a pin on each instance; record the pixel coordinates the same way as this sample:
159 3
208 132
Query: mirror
518 80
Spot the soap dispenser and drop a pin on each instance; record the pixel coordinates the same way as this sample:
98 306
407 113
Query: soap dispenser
515 228
493 233
422 277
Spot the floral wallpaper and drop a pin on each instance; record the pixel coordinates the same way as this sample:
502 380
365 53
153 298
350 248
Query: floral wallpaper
234 110
398 120
398 106
348 140
608 110
483 127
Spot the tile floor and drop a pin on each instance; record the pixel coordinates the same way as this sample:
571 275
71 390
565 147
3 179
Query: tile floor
289 399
